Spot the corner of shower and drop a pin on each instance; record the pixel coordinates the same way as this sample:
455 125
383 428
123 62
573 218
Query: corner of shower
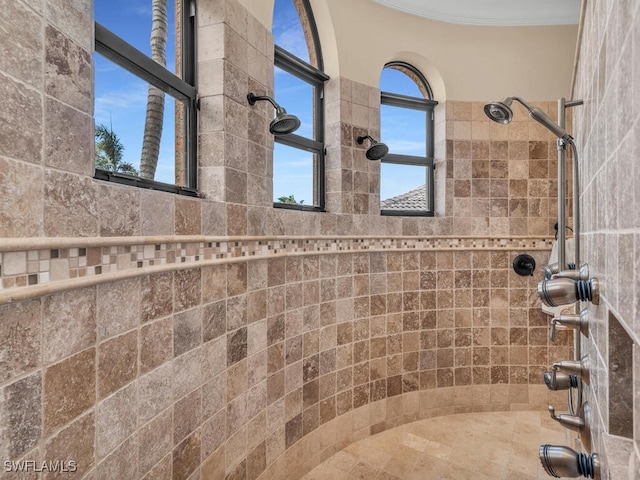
566 284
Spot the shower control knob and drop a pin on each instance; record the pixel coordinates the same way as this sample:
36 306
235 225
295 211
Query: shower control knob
572 422
579 368
578 423
577 322
582 274
524 265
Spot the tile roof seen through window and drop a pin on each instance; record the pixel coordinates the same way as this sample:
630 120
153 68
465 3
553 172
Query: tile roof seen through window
415 199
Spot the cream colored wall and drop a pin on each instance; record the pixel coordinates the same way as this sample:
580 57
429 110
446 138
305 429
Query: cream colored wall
462 62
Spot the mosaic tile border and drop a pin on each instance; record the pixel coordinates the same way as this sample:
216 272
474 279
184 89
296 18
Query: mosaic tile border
19 269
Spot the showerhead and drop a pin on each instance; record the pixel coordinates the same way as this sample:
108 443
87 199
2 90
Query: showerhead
562 380
376 150
559 461
501 112
284 123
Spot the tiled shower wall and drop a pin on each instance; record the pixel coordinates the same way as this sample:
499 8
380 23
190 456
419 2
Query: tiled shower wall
608 135
137 355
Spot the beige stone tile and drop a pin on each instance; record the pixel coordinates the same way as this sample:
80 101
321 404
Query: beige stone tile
20 416
116 419
71 84
20 332
117 363
67 213
74 442
121 462
22 120
68 144
69 389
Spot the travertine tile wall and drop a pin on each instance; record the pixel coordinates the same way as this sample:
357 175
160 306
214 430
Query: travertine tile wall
251 367
503 177
608 133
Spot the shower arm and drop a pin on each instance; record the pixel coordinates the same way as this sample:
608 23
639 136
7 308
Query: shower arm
254 98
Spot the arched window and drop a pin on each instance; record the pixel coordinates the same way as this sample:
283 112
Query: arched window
406 126
298 158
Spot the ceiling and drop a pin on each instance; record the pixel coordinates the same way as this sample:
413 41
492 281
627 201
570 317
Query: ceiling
492 12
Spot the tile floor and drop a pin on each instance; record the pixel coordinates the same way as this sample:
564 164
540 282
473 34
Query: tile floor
470 446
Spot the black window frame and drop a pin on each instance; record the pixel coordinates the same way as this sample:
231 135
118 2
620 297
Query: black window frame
184 89
315 77
426 105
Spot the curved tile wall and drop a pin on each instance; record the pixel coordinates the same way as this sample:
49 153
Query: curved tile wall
259 358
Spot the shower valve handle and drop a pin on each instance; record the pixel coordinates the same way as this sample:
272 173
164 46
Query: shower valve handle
572 422
552 330
576 321
581 274
579 423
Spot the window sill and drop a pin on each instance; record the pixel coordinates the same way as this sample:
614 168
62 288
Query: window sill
123 179
304 208
406 213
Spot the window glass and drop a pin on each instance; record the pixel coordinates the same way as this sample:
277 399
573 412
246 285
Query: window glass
296 96
131 20
120 113
401 179
392 80
287 30
293 175
404 130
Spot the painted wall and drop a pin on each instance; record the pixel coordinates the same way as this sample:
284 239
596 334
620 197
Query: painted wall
359 37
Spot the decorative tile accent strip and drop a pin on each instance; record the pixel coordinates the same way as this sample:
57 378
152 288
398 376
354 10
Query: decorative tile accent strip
37 267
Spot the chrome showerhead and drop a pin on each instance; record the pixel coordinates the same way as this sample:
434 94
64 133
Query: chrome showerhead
284 123
560 380
559 461
499 111
376 150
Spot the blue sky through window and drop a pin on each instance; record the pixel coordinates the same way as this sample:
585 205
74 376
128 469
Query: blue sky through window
121 97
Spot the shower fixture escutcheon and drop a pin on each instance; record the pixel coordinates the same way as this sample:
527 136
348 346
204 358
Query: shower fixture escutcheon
580 423
524 265
559 461
578 322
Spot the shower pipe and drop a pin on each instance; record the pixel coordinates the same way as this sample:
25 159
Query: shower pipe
562 221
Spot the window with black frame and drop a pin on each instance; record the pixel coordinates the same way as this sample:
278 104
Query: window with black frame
145 94
298 158
406 126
